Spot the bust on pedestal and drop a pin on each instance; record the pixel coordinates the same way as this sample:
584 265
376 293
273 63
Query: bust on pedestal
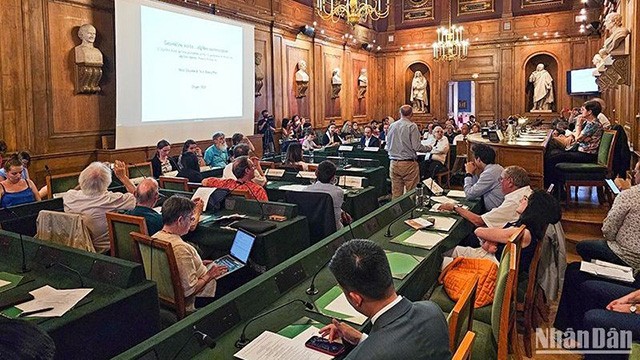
88 61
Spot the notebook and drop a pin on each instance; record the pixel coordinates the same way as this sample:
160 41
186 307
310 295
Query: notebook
240 250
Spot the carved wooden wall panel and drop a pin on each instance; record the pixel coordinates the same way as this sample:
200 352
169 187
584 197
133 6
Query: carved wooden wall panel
263 46
480 61
506 103
332 59
294 51
486 99
471 10
359 106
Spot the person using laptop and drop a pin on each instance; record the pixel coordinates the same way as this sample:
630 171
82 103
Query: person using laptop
196 278
239 253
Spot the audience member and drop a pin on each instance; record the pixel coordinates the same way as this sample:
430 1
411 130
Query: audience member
330 138
346 130
464 131
239 138
244 170
161 162
16 190
434 160
147 195
266 127
586 143
326 179
243 150
287 129
93 199
294 156
25 158
356 130
196 279
450 133
602 118
620 229
514 182
384 131
475 129
482 177
24 340
427 132
368 140
401 329
216 155
296 127
189 162
403 141
309 142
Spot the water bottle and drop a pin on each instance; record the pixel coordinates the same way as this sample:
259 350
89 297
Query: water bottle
419 196
311 156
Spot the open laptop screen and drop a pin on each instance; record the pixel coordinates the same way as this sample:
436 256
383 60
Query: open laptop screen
242 245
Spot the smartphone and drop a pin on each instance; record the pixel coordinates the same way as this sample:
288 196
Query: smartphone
325 346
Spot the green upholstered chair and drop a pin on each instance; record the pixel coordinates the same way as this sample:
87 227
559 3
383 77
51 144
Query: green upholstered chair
58 184
160 266
635 351
120 226
460 319
590 174
466 346
174 183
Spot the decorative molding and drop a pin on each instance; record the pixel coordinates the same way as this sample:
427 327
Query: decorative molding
616 74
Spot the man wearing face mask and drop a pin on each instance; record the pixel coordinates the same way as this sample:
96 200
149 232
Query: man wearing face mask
326 176
216 155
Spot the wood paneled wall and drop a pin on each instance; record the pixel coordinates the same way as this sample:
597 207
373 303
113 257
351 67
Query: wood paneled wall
39 111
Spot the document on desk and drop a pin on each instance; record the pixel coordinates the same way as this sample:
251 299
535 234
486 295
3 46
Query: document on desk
443 223
444 200
456 194
436 208
293 187
271 346
420 239
355 169
203 193
334 304
9 281
433 186
402 264
608 270
60 300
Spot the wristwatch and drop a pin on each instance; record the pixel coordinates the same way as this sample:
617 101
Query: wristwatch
468 175
633 308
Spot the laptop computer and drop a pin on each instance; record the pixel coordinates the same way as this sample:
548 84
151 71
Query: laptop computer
239 254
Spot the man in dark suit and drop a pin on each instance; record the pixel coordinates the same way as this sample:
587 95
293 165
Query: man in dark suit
368 140
400 329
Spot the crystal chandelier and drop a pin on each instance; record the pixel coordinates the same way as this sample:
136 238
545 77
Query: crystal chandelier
352 10
450 45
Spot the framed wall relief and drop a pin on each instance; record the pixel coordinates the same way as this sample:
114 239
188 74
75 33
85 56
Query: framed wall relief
521 7
465 10
417 13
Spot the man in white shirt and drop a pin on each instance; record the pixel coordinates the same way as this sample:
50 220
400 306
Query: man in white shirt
401 329
369 140
243 150
464 131
434 160
326 176
93 200
514 182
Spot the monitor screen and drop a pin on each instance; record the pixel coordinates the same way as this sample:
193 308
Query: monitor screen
242 245
581 82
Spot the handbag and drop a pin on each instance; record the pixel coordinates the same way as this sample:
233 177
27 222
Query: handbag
461 270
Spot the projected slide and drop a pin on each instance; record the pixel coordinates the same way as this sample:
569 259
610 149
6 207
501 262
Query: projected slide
583 81
191 68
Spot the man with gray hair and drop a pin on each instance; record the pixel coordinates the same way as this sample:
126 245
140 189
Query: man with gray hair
514 182
217 155
93 199
146 197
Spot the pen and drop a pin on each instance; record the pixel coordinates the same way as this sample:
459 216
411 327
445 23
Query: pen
27 313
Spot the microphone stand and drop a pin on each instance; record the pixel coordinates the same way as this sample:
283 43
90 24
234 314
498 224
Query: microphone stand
243 341
203 339
312 287
24 269
262 212
68 268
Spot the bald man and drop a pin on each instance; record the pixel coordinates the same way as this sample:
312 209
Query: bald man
146 197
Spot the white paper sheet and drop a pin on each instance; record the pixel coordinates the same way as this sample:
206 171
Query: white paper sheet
443 223
355 169
275 172
456 193
137 181
371 148
436 207
444 200
342 306
292 187
425 239
345 148
3 283
433 186
60 300
272 346
307 174
171 173
607 272
203 193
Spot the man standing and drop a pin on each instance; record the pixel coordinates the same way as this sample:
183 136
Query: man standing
266 127
400 329
403 141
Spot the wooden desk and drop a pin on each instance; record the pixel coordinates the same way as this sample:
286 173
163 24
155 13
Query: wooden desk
527 154
223 320
121 310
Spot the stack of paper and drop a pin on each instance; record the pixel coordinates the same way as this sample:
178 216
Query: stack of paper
292 187
272 346
456 194
420 239
608 270
60 300
355 169
436 208
418 223
444 200
443 223
402 264
334 304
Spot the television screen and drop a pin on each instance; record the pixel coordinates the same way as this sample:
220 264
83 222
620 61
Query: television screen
582 82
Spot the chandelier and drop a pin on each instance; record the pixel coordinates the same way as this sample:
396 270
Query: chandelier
352 10
450 45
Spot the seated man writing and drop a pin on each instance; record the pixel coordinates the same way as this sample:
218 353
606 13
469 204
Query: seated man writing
244 170
401 329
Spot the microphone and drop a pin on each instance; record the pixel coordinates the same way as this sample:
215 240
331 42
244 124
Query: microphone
351 230
433 180
68 268
138 170
260 203
24 269
203 339
243 341
312 287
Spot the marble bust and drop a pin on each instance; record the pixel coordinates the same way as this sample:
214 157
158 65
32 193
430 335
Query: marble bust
259 74
617 32
336 83
363 82
302 79
89 61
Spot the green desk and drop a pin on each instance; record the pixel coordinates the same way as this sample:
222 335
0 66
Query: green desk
381 155
357 202
225 319
121 311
